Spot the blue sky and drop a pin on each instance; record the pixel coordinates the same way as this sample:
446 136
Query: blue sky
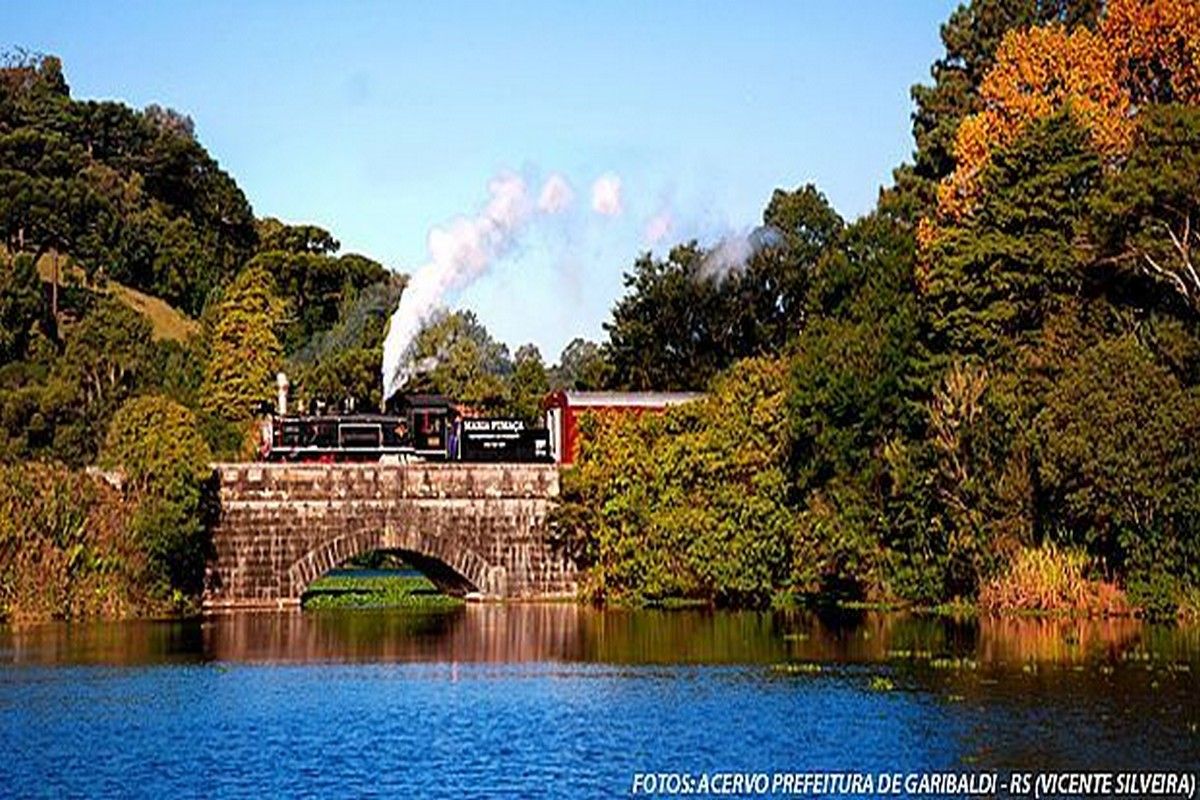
380 121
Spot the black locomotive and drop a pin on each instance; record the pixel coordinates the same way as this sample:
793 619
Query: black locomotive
411 428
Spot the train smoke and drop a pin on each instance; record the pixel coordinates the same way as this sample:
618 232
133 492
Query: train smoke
556 195
733 252
606 195
459 253
658 227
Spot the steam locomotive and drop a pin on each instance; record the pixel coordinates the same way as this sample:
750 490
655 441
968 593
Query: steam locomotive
410 428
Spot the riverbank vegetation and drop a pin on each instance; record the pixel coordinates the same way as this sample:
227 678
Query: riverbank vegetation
66 547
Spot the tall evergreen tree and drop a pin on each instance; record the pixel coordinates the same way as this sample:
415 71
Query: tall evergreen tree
244 352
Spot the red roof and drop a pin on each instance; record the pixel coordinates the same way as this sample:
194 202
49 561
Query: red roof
574 399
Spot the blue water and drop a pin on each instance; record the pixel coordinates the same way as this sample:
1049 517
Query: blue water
557 701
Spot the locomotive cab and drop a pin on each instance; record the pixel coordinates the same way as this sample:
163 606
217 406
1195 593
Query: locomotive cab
429 423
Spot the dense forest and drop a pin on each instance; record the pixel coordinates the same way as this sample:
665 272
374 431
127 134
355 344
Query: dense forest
985 392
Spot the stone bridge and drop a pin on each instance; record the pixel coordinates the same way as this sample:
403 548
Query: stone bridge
471 528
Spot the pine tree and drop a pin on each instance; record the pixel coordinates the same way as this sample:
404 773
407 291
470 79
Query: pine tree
245 352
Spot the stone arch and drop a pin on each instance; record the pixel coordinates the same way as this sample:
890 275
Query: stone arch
280 526
457 571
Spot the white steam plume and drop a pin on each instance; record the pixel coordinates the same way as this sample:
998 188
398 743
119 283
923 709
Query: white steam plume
459 253
731 253
606 195
556 195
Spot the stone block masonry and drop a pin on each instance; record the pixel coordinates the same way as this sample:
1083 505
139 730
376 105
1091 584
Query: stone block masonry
472 528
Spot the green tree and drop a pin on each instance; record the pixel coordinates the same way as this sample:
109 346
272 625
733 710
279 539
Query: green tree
348 377
460 359
244 351
183 273
686 318
156 442
276 235
806 221
667 331
361 322
166 462
316 288
992 281
581 366
690 504
1117 461
108 356
529 383
107 353
20 305
1147 219
853 399
343 363
853 364
48 202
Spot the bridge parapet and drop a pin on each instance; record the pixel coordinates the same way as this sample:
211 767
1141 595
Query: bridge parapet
471 527
292 482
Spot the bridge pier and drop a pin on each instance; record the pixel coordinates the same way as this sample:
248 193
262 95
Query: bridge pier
469 527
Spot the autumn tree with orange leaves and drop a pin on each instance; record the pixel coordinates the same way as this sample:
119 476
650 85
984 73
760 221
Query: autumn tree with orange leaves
1144 52
1038 72
1158 49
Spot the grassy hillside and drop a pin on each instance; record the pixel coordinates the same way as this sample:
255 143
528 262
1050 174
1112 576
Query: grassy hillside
168 322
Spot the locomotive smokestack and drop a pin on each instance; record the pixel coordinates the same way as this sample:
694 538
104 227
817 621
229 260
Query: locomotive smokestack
281 382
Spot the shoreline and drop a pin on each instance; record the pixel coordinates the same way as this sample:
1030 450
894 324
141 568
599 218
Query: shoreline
956 612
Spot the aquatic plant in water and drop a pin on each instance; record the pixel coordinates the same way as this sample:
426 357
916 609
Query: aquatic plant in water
372 590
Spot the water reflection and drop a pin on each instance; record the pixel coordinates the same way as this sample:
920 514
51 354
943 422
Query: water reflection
566 632
607 692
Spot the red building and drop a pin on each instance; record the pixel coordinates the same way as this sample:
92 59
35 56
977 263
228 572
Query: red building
564 407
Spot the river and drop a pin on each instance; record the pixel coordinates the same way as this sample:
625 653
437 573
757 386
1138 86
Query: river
559 700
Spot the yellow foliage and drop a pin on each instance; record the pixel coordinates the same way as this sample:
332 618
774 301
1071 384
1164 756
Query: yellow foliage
1039 71
1158 43
1052 579
976 136
1146 51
